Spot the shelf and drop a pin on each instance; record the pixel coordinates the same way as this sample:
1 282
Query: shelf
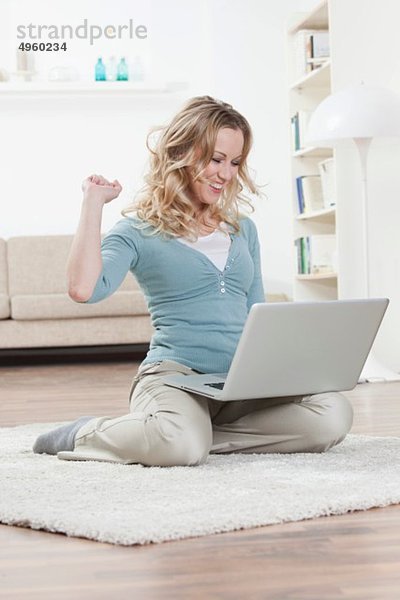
316 277
76 88
327 212
316 19
313 151
305 92
319 78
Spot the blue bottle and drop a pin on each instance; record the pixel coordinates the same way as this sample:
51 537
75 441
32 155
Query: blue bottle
122 72
100 71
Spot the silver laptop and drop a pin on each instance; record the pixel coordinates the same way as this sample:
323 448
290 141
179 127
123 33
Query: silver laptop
294 348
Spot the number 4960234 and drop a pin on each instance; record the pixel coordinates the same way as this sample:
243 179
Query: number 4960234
42 46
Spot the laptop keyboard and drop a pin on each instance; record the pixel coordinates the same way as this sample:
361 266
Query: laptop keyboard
218 386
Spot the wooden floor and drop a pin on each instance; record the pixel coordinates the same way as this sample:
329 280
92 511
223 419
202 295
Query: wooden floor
350 556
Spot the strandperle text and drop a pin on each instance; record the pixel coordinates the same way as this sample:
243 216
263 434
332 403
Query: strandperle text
84 31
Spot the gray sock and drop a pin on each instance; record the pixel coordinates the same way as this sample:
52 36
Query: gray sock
62 438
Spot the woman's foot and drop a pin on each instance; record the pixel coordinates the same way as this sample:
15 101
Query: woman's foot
62 438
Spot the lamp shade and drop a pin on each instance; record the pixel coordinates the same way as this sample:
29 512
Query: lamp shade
358 111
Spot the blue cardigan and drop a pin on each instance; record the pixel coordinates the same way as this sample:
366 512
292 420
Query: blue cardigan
198 311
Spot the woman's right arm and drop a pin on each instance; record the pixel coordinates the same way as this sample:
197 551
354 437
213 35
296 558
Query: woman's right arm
85 262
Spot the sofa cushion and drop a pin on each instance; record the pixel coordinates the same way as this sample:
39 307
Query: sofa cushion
38 264
29 307
74 332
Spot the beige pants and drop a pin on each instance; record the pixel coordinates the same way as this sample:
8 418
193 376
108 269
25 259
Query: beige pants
168 427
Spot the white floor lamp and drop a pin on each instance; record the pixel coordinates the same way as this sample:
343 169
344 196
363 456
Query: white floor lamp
359 112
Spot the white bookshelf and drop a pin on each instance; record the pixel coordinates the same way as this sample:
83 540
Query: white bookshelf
318 277
318 18
305 92
313 152
318 214
319 78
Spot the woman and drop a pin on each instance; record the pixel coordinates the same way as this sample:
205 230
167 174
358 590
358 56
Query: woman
197 261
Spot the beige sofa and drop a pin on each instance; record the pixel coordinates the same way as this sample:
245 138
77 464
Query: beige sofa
36 311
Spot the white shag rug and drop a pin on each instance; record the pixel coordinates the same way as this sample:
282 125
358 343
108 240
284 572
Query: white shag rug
132 504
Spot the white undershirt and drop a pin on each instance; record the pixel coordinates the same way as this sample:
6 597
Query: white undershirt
215 246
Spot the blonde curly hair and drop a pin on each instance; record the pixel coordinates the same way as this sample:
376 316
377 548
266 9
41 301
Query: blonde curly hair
183 151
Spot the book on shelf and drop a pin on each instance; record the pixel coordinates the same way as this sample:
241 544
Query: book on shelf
316 254
309 194
326 170
316 192
320 45
311 49
299 122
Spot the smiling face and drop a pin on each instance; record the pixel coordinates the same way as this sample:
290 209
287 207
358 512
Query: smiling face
222 168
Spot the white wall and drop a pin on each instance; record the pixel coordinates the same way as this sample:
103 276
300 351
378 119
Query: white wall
366 46
226 48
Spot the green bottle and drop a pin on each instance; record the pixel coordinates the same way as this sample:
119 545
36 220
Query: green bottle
122 72
100 71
